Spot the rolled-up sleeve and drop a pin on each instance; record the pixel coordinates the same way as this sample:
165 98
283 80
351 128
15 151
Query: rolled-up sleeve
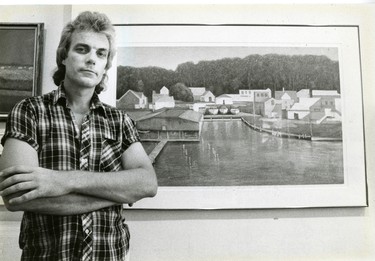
21 124
130 132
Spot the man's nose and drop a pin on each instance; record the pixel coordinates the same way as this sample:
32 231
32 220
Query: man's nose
91 57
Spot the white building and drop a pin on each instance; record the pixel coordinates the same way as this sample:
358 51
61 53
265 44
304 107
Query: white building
197 92
303 109
162 99
286 98
163 102
254 95
304 93
324 93
224 99
164 91
207 96
132 100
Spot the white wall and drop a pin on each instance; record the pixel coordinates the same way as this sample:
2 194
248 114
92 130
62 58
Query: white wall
284 234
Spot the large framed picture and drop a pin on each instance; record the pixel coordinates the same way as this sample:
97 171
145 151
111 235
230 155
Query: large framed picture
21 47
246 116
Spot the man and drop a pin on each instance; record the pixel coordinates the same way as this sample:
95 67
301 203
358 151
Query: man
69 161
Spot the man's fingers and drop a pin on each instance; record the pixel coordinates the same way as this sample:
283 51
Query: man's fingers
15 170
10 181
19 187
24 198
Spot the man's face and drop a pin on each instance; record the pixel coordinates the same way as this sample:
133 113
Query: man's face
86 59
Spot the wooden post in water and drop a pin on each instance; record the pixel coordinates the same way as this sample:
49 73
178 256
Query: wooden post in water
155 152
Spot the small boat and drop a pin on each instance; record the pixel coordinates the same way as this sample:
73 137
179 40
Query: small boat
213 111
234 111
223 110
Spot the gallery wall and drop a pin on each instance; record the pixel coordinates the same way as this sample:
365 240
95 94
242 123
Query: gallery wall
268 234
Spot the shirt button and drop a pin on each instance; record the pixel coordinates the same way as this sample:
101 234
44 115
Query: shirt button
87 231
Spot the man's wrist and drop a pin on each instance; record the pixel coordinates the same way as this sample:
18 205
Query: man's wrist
68 180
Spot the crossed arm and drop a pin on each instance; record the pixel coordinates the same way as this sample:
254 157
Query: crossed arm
25 186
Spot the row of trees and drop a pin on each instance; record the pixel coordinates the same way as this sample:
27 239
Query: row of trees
228 75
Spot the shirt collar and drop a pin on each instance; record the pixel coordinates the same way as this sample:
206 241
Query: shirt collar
60 96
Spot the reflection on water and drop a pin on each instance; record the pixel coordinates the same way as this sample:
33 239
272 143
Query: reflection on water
231 154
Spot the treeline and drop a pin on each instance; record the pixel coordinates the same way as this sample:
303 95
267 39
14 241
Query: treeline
228 75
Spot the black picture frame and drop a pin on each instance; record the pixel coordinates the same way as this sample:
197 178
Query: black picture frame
21 49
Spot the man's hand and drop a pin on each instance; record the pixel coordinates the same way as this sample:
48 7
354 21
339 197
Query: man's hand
29 183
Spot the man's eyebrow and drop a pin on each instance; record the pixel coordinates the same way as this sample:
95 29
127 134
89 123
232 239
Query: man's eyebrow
87 45
103 49
81 44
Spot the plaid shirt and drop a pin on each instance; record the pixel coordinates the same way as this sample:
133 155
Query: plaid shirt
45 122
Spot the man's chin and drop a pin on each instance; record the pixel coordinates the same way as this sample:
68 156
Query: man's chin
89 83
85 82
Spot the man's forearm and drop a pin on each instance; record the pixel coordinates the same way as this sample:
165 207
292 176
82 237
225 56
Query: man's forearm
125 186
69 204
26 183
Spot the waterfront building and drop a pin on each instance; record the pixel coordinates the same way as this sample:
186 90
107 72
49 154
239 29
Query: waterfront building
328 98
224 99
199 107
197 92
171 124
306 109
271 108
287 98
207 96
258 95
132 100
303 93
163 102
162 99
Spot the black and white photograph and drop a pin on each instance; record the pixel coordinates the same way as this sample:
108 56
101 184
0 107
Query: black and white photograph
229 113
187 132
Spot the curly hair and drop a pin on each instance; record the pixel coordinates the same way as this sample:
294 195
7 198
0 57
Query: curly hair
85 21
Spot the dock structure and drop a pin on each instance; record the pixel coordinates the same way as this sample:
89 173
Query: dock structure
278 133
216 117
158 148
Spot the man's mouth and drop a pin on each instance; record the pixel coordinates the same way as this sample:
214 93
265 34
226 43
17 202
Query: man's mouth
88 71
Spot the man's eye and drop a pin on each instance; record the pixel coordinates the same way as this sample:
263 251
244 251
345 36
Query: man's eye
81 49
102 54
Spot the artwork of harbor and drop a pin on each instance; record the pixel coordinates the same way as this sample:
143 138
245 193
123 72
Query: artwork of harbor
236 116
16 66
